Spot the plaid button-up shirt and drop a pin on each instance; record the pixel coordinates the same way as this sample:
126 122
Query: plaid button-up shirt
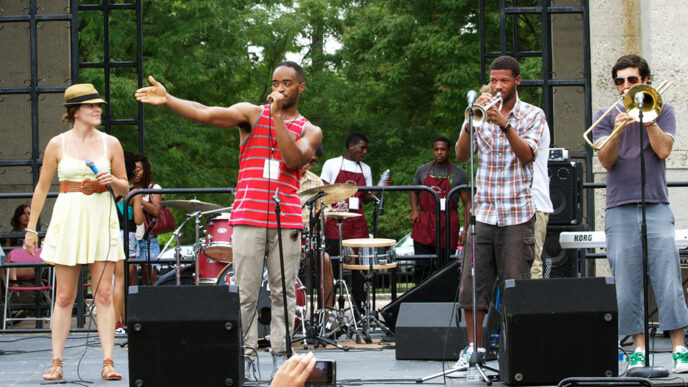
503 184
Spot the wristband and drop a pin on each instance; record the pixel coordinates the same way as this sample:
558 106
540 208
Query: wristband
30 230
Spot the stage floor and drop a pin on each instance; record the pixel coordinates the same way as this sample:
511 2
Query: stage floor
27 356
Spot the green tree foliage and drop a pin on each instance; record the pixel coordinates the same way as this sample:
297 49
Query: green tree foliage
400 77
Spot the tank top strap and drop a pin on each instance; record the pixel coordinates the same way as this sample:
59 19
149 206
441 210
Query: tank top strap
62 136
105 149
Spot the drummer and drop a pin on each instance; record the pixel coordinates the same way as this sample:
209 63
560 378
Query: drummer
349 168
311 180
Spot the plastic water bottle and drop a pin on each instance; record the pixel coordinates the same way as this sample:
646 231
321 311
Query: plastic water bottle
384 177
622 363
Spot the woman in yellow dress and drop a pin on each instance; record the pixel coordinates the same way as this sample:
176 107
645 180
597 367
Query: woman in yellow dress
84 229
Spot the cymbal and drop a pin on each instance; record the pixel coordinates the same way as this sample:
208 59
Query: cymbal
334 193
341 215
192 205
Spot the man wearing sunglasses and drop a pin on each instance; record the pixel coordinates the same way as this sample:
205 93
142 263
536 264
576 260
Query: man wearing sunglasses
620 156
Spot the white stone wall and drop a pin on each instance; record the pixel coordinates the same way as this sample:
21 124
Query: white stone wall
654 29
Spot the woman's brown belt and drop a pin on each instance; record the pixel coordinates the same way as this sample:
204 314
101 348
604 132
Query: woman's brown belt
86 187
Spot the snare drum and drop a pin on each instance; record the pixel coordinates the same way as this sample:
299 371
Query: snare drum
218 238
363 252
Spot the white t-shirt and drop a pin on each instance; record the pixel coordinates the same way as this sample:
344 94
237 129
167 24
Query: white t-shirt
331 168
541 176
141 228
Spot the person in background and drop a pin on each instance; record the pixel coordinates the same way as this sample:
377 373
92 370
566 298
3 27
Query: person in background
134 218
441 176
151 206
19 221
350 169
543 204
311 180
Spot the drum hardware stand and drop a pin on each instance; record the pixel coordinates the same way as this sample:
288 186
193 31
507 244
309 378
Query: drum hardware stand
343 321
369 316
477 358
310 334
287 340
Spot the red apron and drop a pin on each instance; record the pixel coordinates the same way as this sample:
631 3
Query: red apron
352 227
424 228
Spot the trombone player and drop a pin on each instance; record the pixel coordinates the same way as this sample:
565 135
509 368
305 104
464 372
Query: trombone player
619 154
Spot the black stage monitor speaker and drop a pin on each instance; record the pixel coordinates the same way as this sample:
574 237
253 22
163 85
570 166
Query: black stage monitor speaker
566 192
558 262
558 328
428 331
184 336
440 287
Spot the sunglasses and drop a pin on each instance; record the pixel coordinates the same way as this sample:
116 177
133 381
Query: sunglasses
632 80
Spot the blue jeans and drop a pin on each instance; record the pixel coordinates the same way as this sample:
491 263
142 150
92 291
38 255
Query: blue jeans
154 249
624 252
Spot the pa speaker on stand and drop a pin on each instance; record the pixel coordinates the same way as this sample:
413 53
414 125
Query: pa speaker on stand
566 192
558 262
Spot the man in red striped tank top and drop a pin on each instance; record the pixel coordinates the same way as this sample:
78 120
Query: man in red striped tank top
275 142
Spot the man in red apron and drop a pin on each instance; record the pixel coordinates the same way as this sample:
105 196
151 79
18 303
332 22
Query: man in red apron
349 169
441 176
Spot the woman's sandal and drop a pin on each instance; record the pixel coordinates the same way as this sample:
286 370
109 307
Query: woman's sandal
55 372
110 374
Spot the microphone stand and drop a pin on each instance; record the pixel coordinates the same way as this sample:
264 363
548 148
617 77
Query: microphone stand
648 371
477 358
287 340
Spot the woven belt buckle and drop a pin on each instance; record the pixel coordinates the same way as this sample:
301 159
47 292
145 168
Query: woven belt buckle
87 186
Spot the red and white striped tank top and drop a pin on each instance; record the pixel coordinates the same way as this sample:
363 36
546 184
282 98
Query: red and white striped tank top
253 204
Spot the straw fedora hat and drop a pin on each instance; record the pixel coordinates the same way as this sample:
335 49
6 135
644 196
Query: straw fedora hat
81 93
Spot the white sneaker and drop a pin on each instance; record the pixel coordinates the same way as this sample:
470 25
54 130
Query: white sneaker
464 358
680 358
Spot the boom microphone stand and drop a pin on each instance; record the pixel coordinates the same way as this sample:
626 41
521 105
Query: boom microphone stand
648 371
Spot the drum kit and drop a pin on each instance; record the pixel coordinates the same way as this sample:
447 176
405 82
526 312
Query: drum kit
212 265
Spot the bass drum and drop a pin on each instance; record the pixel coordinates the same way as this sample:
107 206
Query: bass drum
170 278
263 307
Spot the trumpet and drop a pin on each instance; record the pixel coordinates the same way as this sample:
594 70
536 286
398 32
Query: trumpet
480 112
652 106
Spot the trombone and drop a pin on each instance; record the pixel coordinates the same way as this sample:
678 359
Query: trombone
480 112
652 106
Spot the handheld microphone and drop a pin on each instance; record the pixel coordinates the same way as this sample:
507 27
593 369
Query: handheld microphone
91 164
471 97
152 224
639 99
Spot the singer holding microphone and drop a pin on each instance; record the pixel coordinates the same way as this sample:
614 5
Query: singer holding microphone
506 145
84 229
275 142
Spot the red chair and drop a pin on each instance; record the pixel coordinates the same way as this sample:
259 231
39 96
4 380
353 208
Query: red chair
35 284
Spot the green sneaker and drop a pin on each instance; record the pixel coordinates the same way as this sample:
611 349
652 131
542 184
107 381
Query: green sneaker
680 361
636 359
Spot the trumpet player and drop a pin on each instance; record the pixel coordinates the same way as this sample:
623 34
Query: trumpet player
620 156
506 144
